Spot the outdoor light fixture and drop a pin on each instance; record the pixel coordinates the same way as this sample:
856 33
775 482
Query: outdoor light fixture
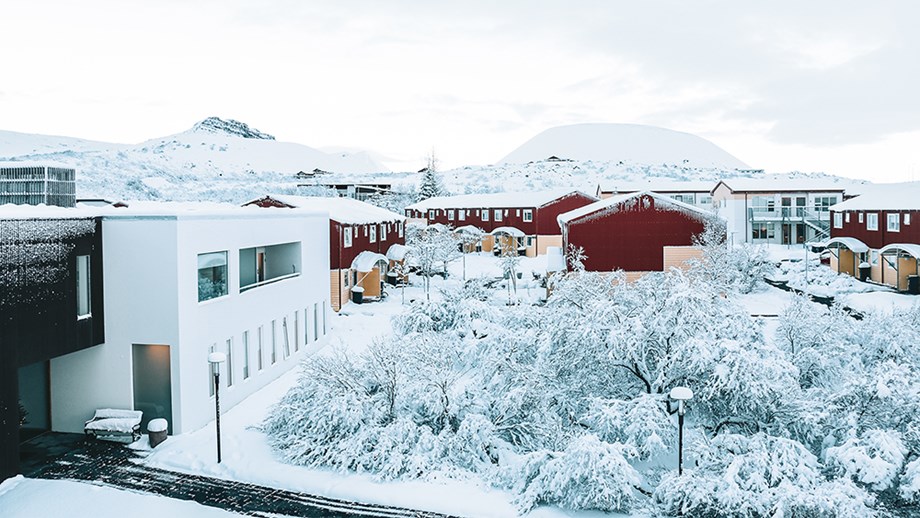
680 394
215 359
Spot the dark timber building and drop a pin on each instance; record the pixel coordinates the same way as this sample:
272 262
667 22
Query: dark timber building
51 305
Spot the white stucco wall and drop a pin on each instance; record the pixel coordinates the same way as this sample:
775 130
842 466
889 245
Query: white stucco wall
151 297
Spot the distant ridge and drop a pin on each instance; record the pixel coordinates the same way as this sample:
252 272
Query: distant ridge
229 127
634 143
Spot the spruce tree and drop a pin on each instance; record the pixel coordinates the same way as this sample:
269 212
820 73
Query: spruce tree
430 186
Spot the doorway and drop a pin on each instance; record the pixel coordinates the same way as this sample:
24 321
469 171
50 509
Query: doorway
34 400
152 384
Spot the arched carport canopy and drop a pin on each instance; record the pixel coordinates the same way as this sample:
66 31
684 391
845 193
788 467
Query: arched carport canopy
397 252
851 243
901 249
367 260
511 231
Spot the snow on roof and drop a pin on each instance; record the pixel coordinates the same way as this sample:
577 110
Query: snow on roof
470 229
13 211
910 248
511 231
397 252
849 242
498 200
33 163
366 260
611 203
660 185
146 209
786 184
343 210
892 196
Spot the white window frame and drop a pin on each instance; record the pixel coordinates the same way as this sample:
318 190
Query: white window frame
450 214
461 215
894 222
846 217
84 288
498 215
229 344
260 350
373 234
346 237
907 218
528 215
399 227
383 231
872 221
246 369
838 220
861 217
485 214
431 213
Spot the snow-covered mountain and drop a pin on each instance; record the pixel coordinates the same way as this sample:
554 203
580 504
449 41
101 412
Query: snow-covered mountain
216 158
623 143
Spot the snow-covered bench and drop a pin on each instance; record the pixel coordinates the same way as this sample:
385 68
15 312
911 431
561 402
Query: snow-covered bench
112 424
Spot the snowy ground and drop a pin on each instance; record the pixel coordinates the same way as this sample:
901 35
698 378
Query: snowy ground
27 498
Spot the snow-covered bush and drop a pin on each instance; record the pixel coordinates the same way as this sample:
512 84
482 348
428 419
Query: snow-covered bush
641 423
910 481
729 268
760 475
874 459
588 474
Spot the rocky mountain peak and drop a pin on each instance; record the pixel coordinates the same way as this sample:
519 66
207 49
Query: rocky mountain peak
229 127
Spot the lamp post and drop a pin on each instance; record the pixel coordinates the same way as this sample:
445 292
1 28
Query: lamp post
215 359
680 394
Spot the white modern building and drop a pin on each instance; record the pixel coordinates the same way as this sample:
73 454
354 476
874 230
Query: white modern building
778 210
182 281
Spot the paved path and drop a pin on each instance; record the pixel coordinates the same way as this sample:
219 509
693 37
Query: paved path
114 465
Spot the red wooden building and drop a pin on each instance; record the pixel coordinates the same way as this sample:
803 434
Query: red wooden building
355 229
532 214
638 232
881 228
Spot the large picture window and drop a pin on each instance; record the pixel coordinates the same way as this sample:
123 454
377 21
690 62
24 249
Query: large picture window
212 275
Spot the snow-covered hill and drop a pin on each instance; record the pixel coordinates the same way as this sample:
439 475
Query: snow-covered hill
623 143
215 159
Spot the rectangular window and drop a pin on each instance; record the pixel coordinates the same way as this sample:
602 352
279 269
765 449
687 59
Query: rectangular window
517 213
485 215
84 298
383 232
212 275
263 265
894 222
431 214
296 330
907 218
399 227
373 237
274 342
346 237
246 354
823 203
860 217
450 214
230 362
324 318
498 215
846 217
871 221
260 351
528 215
287 338
211 349
315 321
838 220
306 327
461 215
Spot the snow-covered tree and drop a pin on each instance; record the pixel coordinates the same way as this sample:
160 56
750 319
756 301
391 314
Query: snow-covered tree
431 247
739 268
430 185
468 236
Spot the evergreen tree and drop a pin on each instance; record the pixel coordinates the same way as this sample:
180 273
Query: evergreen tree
431 182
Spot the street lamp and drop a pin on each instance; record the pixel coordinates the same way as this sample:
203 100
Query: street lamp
215 359
680 394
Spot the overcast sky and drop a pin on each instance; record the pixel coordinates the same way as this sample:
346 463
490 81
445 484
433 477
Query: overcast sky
828 86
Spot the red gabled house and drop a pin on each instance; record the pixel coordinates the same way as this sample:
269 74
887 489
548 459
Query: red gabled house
360 237
529 218
637 233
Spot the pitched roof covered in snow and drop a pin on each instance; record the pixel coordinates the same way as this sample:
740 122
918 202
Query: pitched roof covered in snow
892 196
786 184
498 200
343 210
612 204
658 185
